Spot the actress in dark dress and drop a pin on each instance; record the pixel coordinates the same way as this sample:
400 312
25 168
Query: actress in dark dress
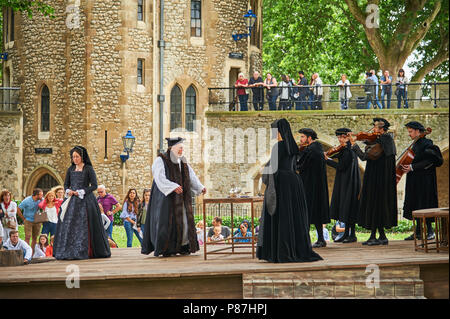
79 232
284 226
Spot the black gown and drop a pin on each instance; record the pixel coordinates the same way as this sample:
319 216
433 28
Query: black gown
313 171
378 199
81 234
347 185
284 236
421 183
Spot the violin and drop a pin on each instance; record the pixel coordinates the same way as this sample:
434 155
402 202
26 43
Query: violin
301 147
408 155
335 150
367 136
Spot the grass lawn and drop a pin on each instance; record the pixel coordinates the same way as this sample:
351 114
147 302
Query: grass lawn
120 236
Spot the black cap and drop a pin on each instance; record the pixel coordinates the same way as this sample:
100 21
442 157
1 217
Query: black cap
301 72
342 131
415 125
308 132
171 141
369 73
385 125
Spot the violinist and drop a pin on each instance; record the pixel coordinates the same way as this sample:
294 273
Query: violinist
347 185
421 185
313 172
378 199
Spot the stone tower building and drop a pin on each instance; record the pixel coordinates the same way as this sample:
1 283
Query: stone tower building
94 72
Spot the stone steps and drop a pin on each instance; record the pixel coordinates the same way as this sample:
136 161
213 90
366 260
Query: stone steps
393 283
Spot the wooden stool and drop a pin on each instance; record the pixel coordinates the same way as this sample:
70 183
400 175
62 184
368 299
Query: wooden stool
10 258
440 216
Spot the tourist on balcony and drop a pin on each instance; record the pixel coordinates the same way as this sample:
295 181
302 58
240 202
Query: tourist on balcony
285 91
130 208
386 89
283 235
9 209
303 92
375 80
80 233
317 92
257 84
272 91
242 84
369 89
344 91
402 89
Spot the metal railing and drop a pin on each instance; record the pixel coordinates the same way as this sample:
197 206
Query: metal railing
9 99
363 96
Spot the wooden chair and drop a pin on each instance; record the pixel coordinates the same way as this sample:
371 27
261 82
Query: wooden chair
440 216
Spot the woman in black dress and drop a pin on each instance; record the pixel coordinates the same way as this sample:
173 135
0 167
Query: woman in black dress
79 232
284 227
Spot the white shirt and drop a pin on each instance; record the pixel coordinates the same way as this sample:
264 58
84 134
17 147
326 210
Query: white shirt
318 89
51 214
21 245
166 186
342 89
11 211
38 252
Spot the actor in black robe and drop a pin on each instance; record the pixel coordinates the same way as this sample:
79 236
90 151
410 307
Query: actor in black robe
170 226
421 183
313 171
347 185
378 200
79 232
284 228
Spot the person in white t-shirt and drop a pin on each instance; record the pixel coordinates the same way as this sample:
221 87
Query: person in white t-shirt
9 208
41 247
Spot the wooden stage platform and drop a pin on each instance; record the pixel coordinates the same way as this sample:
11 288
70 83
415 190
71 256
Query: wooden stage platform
403 273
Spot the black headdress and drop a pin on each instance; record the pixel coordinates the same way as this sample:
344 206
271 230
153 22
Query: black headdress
385 124
83 153
342 131
284 128
416 126
171 141
308 132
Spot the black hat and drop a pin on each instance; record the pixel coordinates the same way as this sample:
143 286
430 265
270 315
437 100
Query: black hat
171 141
83 153
342 131
385 123
308 132
301 72
369 73
415 125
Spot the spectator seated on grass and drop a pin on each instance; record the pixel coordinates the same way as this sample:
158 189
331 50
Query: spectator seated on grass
243 232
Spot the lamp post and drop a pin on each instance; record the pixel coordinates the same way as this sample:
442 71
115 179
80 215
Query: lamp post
250 19
128 143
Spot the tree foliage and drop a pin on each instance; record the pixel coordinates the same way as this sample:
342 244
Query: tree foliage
331 37
29 6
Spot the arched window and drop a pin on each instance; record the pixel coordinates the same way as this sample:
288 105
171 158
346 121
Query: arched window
45 109
175 108
46 183
191 105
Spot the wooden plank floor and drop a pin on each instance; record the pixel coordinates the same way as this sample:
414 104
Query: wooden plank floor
130 263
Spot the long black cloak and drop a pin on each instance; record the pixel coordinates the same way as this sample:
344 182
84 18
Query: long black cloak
378 200
163 232
284 229
313 171
421 183
347 185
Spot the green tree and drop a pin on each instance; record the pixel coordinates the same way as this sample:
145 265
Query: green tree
334 36
28 6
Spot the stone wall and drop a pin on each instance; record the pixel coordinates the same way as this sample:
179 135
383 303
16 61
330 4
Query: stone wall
11 152
246 174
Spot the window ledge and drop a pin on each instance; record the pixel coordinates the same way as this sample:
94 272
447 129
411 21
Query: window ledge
43 135
197 41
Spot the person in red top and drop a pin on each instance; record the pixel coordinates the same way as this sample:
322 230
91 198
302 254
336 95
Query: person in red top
241 84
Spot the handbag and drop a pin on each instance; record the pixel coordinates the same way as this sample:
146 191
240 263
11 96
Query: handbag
40 217
10 222
64 208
